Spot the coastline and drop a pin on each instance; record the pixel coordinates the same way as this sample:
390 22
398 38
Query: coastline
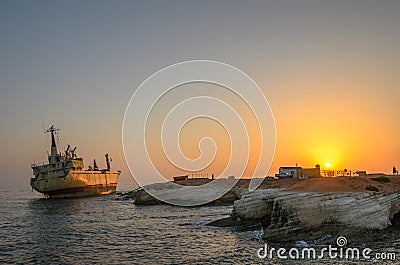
290 210
377 183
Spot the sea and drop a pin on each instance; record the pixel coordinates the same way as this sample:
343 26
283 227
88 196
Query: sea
104 230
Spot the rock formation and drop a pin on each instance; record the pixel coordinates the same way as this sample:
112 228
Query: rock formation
289 216
179 192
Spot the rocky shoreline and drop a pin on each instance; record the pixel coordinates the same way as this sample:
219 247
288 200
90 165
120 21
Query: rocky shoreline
141 197
293 216
290 211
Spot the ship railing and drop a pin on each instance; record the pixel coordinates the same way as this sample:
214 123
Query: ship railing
38 164
64 158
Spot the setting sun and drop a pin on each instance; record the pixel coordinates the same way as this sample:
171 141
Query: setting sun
328 165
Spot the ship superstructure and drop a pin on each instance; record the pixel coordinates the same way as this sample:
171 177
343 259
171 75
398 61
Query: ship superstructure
64 174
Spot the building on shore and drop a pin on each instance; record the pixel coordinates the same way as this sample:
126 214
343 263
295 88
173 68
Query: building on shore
194 176
180 178
299 172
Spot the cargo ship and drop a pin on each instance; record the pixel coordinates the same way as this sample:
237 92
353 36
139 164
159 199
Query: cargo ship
63 175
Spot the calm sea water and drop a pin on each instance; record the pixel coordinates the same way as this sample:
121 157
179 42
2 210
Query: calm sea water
102 230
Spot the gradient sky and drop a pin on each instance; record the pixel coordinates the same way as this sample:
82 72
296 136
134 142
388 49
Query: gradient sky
330 70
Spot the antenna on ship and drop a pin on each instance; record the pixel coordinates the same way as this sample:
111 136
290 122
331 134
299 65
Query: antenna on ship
95 167
108 162
73 152
53 158
67 153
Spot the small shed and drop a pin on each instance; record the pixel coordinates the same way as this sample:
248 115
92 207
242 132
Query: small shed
180 178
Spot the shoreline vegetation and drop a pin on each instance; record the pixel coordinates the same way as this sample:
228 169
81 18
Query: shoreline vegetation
289 210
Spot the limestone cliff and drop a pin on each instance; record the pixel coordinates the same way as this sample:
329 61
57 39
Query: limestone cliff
290 216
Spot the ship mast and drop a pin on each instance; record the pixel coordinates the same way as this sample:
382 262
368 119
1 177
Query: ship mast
54 157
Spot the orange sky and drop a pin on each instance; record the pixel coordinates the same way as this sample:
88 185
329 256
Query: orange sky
329 69
337 116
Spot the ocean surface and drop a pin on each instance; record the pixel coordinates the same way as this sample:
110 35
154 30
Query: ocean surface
103 230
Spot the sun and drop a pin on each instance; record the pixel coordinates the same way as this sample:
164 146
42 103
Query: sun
328 165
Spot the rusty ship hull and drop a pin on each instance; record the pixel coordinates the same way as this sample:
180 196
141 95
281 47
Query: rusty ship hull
77 184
